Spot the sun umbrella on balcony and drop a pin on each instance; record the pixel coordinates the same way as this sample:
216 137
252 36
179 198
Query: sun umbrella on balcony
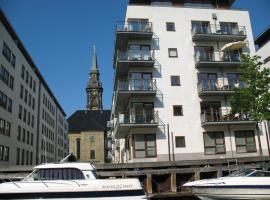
233 46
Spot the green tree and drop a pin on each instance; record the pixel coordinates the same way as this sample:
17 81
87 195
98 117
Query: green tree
254 99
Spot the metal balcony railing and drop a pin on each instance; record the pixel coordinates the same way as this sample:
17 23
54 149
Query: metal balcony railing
134 26
220 84
138 118
203 56
223 115
137 85
212 29
136 55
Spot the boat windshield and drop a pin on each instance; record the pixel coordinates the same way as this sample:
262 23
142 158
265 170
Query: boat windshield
55 174
250 173
242 172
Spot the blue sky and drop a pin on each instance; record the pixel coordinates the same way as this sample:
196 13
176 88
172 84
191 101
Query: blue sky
59 36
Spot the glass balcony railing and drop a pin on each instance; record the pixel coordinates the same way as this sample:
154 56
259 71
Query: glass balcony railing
211 29
134 26
203 56
220 84
136 55
138 118
137 85
223 115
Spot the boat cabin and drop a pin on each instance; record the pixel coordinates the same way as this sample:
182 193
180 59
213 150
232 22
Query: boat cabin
63 171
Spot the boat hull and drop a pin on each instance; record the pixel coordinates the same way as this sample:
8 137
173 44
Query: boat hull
233 192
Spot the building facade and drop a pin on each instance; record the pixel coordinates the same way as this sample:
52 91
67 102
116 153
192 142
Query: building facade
88 128
31 119
263 50
176 64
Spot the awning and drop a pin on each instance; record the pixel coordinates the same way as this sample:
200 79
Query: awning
233 46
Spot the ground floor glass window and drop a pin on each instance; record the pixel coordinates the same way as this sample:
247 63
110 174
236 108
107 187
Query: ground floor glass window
245 141
214 143
144 145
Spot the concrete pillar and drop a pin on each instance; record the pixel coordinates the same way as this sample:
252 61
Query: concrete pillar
149 189
219 172
173 183
197 175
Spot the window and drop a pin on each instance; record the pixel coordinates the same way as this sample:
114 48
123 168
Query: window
24 115
175 80
78 148
92 139
3 100
33 104
58 174
177 110
173 53
9 107
11 82
214 143
28 137
7 129
180 141
18 156
19 133
22 72
29 99
13 60
170 26
34 86
2 126
200 27
22 157
23 136
92 154
6 52
144 145
245 141
31 82
32 121
21 91
4 153
27 77
25 95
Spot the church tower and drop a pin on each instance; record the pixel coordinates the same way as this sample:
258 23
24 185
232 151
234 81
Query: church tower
94 87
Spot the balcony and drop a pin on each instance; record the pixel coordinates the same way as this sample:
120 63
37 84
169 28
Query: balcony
133 87
220 86
133 30
128 121
133 58
218 33
224 117
217 59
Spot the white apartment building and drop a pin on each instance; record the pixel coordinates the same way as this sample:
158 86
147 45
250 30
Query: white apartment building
263 50
173 80
33 128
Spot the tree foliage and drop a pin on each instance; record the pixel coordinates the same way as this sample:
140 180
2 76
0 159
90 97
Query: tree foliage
254 99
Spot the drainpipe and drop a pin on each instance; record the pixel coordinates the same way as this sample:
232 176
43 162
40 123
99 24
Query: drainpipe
267 137
173 146
259 139
169 146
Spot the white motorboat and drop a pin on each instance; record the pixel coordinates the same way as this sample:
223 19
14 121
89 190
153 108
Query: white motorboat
70 181
243 184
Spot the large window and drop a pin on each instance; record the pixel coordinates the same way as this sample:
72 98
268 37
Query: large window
4 153
144 145
245 141
214 143
5 127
